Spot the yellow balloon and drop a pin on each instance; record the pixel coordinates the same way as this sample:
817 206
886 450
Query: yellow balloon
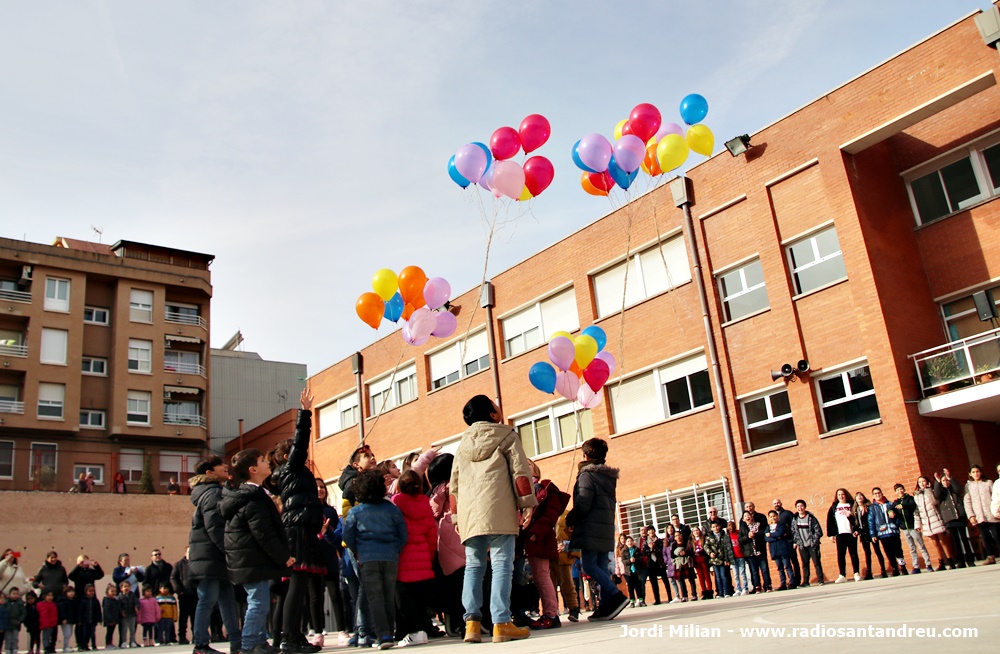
525 195
619 127
385 284
671 152
566 334
701 139
586 350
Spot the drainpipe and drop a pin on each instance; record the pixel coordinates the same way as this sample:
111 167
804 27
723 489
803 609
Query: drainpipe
241 433
487 300
358 368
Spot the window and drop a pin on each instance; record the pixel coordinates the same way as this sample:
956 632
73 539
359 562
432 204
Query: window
6 459
89 469
137 411
957 185
9 399
56 294
54 344
403 388
91 419
183 362
178 465
186 314
816 261
529 327
43 459
96 315
553 429
140 355
338 415
130 464
690 504
140 306
50 400
95 366
647 276
848 398
686 386
450 364
660 394
768 421
743 291
182 413
961 318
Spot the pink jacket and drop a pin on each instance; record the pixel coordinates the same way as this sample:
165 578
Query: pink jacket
451 552
149 610
416 560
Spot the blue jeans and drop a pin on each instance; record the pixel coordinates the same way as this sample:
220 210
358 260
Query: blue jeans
723 586
595 564
501 549
258 605
760 574
739 574
784 564
210 593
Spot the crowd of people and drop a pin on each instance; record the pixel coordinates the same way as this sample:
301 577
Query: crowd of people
463 545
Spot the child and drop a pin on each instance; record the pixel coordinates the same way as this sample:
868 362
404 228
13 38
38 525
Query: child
31 623
701 563
719 549
48 621
88 617
168 615
781 553
375 532
16 613
255 542
540 545
683 557
416 574
130 611
632 560
807 538
740 580
111 607
67 606
3 615
149 615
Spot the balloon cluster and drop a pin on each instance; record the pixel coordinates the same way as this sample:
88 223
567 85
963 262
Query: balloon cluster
642 141
582 358
491 168
411 297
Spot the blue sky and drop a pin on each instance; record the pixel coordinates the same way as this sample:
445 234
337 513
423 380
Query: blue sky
305 144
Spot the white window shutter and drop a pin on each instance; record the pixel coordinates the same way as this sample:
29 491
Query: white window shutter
559 314
635 403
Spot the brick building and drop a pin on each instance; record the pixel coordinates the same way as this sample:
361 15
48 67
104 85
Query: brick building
851 236
104 362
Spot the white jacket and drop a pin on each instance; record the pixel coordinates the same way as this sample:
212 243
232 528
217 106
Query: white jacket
12 576
978 496
995 504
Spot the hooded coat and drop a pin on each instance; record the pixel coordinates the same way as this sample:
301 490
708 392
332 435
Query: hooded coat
539 537
207 540
300 505
978 495
490 481
417 558
451 552
255 543
929 520
51 578
593 515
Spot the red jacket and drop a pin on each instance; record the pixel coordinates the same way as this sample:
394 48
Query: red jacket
417 558
539 537
48 615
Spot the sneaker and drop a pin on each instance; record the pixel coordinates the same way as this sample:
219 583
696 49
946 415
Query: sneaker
546 622
574 615
631 604
915 571
610 609
642 603
416 638
386 643
857 577
205 649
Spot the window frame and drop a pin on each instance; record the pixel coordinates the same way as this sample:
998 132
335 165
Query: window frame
395 379
662 375
54 303
130 451
94 412
651 508
149 408
89 467
135 306
13 457
745 290
538 324
92 360
31 457
51 403
64 344
771 418
138 360
811 237
974 151
93 313
842 371
552 412
635 259
462 371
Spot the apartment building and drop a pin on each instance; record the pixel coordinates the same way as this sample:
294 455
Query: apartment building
103 362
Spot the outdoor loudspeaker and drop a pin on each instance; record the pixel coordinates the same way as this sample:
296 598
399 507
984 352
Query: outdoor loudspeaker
986 307
786 371
802 366
357 363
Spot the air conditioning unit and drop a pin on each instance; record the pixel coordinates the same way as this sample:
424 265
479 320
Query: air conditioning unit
26 274
167 395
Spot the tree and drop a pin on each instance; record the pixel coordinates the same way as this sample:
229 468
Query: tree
146 481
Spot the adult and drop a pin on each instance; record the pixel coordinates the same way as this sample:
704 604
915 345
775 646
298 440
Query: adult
684 530
51 577
207 556
949 494
930 524
807 538
11 573
125 571
187 596
842 528
173 488
787 518
714 519
753 542
87 571
995 501
158 571
118 485
81 484
978 495
490 481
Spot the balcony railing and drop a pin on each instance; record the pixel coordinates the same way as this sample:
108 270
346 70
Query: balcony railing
184 319
16 296
184 368
12 349
948 367
10 406
178 419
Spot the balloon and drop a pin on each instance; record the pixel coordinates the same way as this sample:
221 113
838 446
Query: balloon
370 308
671 152
595 152
579 163
562 351
508 178
668 128
543 377
534 132
422 323
486 151
629 152
626 129
586 350
645 120
538 174
589 187
525 194
411 285
694 108
575 369
701 139
588 398
470 162
385 283
567 385
598 335
446 325
609 359
408 310
602 181
562 333
505 143
596 374
394 308
486 181
455 175
619 127
649 162
620 177
436 292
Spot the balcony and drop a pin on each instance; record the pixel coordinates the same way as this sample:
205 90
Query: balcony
184 319
182 419
15 296
11 348
184 368
10 406
955 378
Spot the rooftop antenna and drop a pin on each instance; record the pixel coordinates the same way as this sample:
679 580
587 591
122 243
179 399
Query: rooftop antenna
99 231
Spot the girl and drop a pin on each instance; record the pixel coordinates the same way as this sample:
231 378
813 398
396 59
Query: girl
331 537
683 557
149 615
842 528
414 584
752 543
31 623
930 524
118 486
668 564
978 494
451 552
701 563
111 606
949 493
88 617
130 611
652 549
539 539
48 621
632 558
740 567
861 506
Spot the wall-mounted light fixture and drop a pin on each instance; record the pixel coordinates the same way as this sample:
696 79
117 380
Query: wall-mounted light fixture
738 145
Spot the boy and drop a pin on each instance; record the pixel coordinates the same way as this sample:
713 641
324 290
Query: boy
781 551
719 548
67 606
15 616
130 615
807 538
906 507
168 615
31 622
88 617
883 523
256 545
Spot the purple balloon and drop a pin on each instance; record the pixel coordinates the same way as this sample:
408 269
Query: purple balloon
567 384
408 335
486 181
629 152
562 351
609 359
595 152
470 161
668 128
446 325
436 292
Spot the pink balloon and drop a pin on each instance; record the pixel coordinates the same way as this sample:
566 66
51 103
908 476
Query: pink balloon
609 359
534 132
644 120
446 325
422 323
470 162
562 351
588 398
594 150
668 128
629 152
486 181
508 179
567 384
504 143
596 373
436 292
408 336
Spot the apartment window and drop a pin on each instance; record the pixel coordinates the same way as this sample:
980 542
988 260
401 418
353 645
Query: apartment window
669 391
958 184
51 398
460 359
9 399
92 419
140 355
187 314
130 464
183 362
392 390
743 291
178 465
6 459
961 318
528 328
686 386
89 469
182 413
43 459
140 306
690 504
137 409
553 429
647 276
54 344
848 398
816 261
338 415
56 294
96 315
94 366
768 421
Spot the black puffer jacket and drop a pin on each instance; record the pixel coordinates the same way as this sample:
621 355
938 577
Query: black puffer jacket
300 505
51 578
256 545
952 505
593 515
81 576
207 541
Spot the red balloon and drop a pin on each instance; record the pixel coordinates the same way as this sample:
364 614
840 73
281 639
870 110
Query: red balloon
538 174
535 131
596 374
602 181
505 143
627 129
644 121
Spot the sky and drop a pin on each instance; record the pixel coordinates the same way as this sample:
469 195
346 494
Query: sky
305 144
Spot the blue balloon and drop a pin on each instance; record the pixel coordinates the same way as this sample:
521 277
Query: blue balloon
622 179
578 161
543 377
394 307
694 108
598 335
455 175
489 155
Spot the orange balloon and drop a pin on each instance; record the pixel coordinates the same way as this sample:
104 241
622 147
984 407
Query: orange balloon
411 286
408 310
589 187
650 163
574 368
370 308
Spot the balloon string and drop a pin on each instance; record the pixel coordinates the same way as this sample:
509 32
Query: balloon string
629 213
576 446
670 279
385 395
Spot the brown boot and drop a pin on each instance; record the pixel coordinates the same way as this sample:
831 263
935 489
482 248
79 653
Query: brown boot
473 631
507 631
